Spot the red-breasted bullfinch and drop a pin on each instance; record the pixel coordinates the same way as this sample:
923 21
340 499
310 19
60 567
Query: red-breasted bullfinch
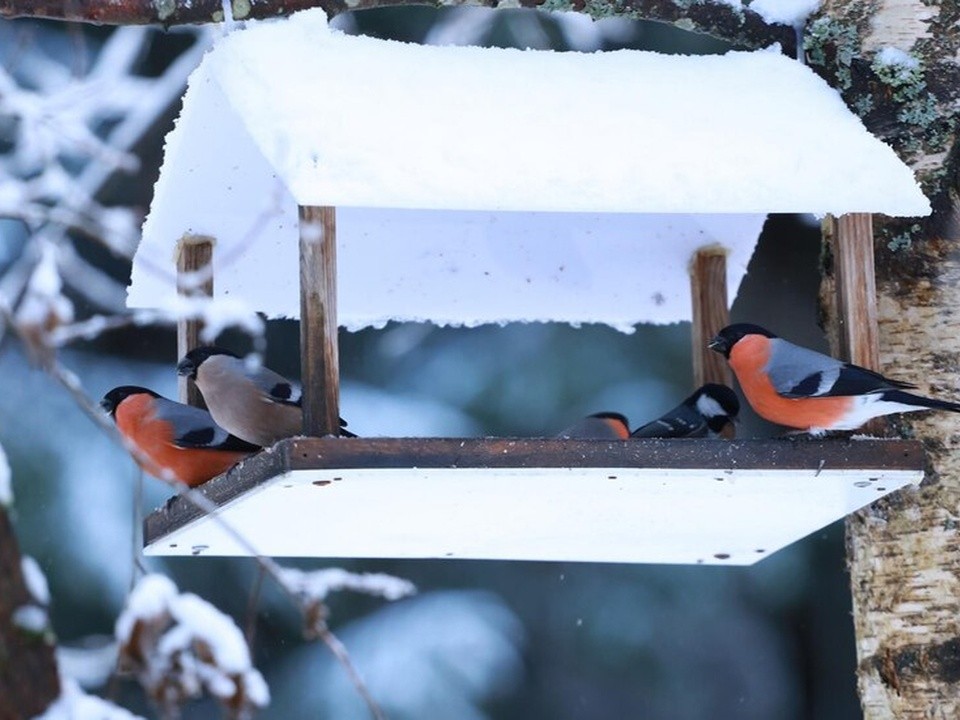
173 439
709 412
254 403
800 388
599 426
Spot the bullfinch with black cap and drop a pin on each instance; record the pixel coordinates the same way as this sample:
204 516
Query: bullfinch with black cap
172 440
804 389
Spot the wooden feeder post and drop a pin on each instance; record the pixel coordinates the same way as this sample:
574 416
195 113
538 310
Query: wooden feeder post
194 278
319 355
851 242
708 292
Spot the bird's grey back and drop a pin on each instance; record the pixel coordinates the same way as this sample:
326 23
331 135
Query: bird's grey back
800 372
189 422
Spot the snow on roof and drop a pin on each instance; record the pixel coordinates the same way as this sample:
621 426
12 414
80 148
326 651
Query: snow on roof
292 112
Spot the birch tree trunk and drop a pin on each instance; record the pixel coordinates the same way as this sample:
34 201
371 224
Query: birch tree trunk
904 554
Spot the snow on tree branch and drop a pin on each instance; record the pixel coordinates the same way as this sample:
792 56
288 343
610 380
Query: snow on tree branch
314 587
32 616
6 485
728 20
74 704
43 307
320 583
180 646
64 133
51 127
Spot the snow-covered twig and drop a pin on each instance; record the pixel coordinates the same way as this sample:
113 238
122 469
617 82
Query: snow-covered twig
6 485
58 119
43 306
179 646
318 584
74 704
307 606
60 156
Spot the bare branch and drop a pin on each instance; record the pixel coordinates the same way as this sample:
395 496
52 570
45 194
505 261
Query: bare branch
253 603
740 26
71 383
343 657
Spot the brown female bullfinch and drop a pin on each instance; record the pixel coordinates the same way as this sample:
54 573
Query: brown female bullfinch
254 403
801 388
172 439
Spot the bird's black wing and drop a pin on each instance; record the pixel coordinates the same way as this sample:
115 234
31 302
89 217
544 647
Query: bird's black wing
681 422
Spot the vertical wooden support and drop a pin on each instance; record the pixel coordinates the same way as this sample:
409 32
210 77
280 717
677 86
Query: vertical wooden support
194 277
851 241
858 341
708 292
319 357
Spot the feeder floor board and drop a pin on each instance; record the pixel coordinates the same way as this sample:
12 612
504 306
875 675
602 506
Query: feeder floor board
642 501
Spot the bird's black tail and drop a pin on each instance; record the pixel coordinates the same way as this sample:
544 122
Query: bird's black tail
898 396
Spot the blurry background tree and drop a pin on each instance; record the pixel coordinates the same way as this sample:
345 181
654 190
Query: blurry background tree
79 107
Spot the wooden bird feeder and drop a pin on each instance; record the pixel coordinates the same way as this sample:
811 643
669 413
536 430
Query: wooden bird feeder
468 186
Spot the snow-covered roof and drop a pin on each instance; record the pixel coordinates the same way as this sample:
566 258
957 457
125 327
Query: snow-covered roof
291 112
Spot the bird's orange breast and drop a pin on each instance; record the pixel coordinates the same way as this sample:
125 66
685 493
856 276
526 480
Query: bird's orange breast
619 430
748 359
154 439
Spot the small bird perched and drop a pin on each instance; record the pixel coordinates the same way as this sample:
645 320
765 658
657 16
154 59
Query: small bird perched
257 405
173 439
801 388
710 411
599 426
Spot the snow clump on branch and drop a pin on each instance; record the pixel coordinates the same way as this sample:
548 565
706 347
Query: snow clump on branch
179 645
6 483
313 587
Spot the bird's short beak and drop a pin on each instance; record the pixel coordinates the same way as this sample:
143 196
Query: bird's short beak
105 405
717 344
185 368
